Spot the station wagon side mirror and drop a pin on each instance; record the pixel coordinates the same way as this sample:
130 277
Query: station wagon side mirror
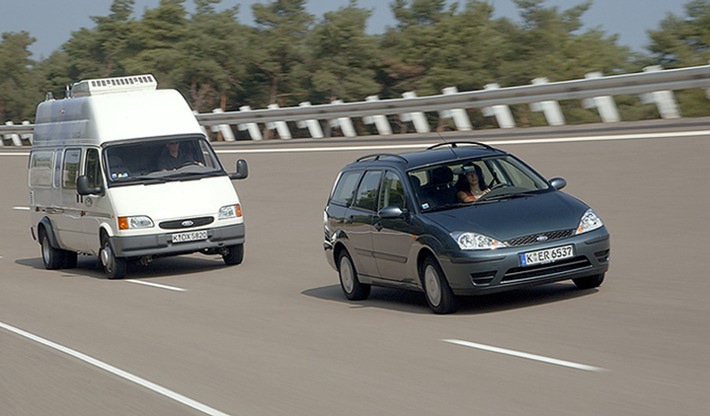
392 212
83 188
242 170
558 183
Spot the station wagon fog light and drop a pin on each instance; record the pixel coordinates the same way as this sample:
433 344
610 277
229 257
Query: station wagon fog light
590 221
229 211
134 222
475 241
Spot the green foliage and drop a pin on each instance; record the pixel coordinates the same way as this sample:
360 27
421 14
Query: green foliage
288 56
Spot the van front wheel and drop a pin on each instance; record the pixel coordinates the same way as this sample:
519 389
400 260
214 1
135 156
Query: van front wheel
234 255
114 267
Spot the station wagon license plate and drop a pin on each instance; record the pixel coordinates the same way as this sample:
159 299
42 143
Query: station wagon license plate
189 236
549 255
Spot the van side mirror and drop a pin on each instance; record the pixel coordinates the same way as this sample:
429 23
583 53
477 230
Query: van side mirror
83 188
242 170
558 183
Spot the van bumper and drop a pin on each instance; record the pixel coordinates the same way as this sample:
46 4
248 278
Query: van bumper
162 245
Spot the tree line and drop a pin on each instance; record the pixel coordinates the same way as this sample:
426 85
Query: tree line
289 55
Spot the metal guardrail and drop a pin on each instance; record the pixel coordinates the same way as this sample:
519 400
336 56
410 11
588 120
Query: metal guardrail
652 84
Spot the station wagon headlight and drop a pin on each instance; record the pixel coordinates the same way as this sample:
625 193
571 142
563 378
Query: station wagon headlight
475 241
229 211
590 221
134 222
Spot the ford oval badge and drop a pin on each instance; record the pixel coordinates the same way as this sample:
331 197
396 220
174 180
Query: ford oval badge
541 238
187 223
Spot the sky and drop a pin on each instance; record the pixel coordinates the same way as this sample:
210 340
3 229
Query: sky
51 22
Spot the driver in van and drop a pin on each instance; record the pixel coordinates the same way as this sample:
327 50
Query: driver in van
172 157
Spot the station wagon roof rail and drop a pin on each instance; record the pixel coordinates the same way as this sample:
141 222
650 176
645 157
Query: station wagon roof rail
378 156
456 144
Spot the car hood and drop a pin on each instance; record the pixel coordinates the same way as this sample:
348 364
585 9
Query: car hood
514 217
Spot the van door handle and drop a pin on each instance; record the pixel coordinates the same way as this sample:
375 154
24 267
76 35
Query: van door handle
378 226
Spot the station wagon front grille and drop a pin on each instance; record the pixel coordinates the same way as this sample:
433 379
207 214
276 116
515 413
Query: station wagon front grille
186 223
529 272
539 238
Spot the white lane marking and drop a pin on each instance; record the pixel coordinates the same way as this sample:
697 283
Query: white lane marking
639 136
524 355
116 371
21 208
140 282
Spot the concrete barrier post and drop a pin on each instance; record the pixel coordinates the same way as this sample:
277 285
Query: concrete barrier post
605 105
551 109
252 128
345 124
380 122
501 112
225 129
13 136
459 115
280 126
421 125
313 125
664 100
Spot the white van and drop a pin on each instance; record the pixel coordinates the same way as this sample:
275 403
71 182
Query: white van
122 170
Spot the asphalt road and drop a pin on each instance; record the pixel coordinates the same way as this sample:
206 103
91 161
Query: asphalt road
274 336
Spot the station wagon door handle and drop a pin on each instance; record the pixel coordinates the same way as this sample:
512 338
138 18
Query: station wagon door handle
349 220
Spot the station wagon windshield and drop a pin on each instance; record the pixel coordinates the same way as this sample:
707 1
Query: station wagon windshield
500 178
160 160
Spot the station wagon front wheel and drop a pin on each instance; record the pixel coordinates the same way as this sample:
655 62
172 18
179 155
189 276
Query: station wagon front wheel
349 282
438 293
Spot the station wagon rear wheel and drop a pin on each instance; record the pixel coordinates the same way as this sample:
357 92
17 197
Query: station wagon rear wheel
438 293
589 282
114 267
349 282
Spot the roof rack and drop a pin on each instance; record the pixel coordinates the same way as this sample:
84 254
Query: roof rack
378 156
455 144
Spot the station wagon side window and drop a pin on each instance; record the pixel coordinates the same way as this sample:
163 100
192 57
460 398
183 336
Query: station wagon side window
70 170
392 194
345 188
367 192
93 168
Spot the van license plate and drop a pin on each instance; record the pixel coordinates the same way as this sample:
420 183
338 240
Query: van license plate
191 236
549 255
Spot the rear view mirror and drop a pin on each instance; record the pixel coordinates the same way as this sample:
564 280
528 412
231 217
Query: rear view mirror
83 188
558 183
242 170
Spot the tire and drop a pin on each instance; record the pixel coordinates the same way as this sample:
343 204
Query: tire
235 255
349 282
589 282
437 291
114 267
53 258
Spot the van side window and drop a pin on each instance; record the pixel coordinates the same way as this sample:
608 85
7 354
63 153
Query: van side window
345 189
392 194
367 192
70 170
93 168
41 168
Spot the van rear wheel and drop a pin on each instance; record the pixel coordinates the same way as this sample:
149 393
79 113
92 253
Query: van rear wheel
53 258
114 267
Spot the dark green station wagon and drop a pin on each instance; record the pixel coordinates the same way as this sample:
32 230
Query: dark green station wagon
459 218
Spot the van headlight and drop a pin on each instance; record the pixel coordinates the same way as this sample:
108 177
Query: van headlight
590 221
229 211
134 222
475 241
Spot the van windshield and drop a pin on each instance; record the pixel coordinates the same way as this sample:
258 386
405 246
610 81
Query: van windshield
159 160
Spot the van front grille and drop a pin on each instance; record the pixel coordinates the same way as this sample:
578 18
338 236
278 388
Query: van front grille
186 223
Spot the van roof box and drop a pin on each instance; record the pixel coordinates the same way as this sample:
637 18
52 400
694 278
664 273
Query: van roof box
86 88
